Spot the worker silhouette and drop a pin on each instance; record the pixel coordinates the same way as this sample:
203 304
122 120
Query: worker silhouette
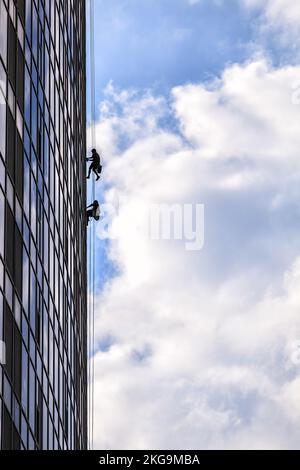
93 211
95 166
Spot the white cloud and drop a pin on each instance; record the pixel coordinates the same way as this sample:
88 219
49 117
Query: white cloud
254 100
282 14
199 342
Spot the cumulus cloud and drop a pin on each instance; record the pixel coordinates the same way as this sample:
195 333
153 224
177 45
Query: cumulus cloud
279 11
280 18
194 348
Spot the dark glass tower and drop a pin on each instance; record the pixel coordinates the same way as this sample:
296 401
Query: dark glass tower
43 380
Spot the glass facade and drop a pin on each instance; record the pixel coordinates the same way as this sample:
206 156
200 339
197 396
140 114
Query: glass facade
43 380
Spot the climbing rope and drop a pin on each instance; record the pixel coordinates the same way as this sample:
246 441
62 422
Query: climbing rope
90 319
92 234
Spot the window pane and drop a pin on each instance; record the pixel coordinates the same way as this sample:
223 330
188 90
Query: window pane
3 31
27 98
2 225
34 117
2 124
25 283
31 397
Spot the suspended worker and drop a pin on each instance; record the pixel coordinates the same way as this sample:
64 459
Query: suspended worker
93 210
95 166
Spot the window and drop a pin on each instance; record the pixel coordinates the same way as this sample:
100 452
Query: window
18 215
17 361
24 373
19 120
28 20
33 207
34 117
1 327
2 174
27 97
21 9
20 77
34 32
8 339
17 312
10 193
9 241
25 330
7 394
39 145
40 214
26 188
10 156
38 323
45 426
2 225
19 168
7 425
25 282
45 338
32 385
24 430
46 246
12 44
15 438
38 417
32 300
2 122
18 250
3 31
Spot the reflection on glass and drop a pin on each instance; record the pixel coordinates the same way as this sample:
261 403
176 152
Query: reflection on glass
2 124
33 117
25 281
49 129
2 215
3 32
24 380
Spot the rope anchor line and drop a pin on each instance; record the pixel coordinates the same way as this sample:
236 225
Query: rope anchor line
91 241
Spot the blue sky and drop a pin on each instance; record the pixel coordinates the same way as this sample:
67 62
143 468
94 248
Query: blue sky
161 44
195 105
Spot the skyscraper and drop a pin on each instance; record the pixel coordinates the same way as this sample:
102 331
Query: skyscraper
43 378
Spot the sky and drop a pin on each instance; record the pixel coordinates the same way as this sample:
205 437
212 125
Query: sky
198 104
